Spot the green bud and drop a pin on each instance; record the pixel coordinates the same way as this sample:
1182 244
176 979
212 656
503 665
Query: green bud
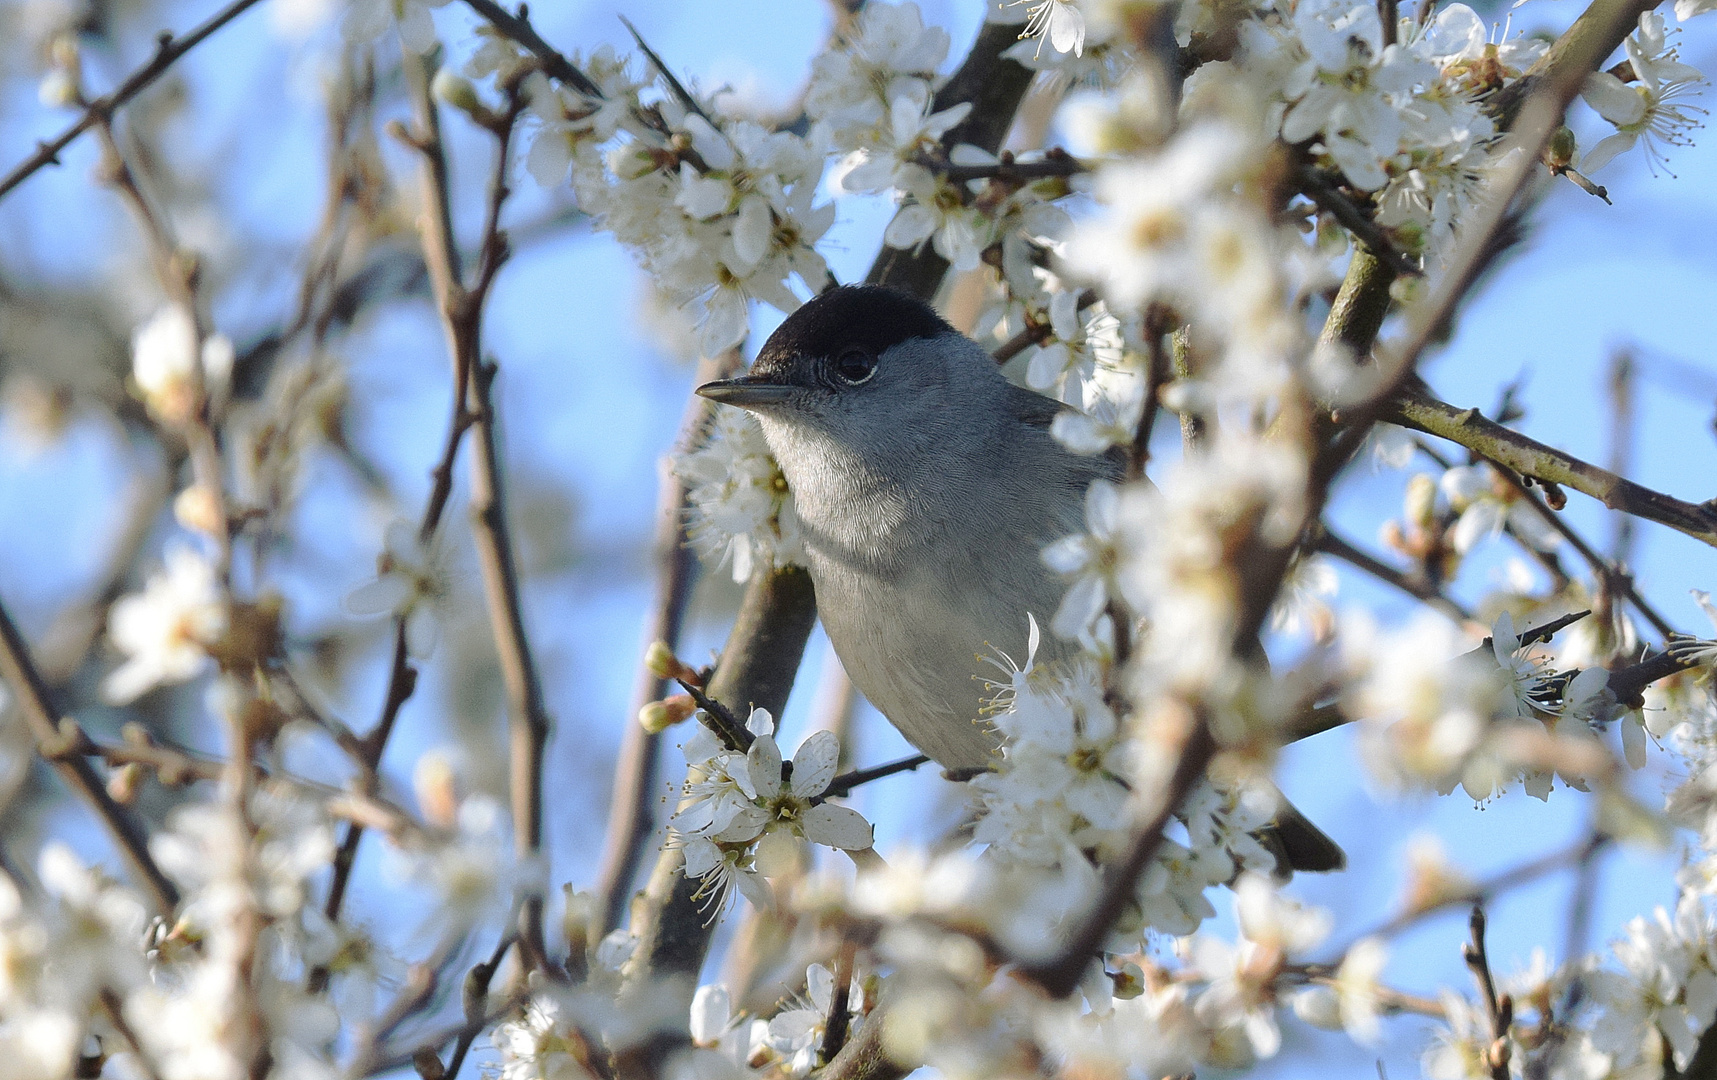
457 91
1560 153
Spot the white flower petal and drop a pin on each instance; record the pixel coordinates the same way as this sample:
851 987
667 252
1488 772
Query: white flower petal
837 827
814 764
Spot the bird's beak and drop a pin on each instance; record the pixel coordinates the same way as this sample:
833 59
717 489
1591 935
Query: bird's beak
747 392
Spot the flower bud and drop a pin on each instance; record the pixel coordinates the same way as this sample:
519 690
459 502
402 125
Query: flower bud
659 716
456 90
437 789
1420 505
1319 1007
577 919
1560 152
58 89
124 783
197 509
663 664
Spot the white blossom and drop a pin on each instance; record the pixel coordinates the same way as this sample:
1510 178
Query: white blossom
1650 111
412 584
166 352
166 630
742 510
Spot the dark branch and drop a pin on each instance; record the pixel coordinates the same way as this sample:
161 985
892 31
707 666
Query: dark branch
167 50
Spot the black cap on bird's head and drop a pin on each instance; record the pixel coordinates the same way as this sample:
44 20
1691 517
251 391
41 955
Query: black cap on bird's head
833 341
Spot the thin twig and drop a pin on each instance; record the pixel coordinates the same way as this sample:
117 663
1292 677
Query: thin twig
1035 333
1499 1008
843 784
1055 163
1352 218
475 995
402 682
178 273
128 835
1610 577
1060 973
519 29
1489 889
461 309
679 91
1413 585
167 50
630 821
835 1026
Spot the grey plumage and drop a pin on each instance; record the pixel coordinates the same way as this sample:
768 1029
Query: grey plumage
925 493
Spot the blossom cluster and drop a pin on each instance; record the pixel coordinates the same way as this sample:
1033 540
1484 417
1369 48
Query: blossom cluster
748 815
742 512
719 209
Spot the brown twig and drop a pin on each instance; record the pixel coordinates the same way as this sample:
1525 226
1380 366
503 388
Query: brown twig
1336 205
835 1026
128 835
1622 413
518 28
1611 578
475 995
1488 890
167 50
843 784
630 821
1413 585
1192 749
1055 163
461 309
178 273
1499 1008
1035 333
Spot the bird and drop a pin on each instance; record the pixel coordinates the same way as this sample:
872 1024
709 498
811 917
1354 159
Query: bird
926 485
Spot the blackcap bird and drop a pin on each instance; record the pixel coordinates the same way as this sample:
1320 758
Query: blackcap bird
926 486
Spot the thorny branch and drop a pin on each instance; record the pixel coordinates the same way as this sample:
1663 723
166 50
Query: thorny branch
168 49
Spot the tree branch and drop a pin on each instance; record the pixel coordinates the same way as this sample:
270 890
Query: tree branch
167 50
122 828
1528 457
1355 220
518 28
629 818
461 309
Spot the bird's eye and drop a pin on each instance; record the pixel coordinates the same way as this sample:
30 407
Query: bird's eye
854 366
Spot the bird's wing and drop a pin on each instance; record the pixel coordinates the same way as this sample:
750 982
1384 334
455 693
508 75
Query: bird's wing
1036 411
